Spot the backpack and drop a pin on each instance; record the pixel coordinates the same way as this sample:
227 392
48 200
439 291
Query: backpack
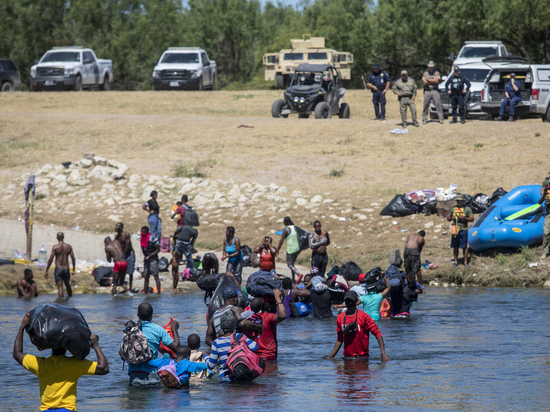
262 283
134 348
169 375
163 264
393 274
351 271
194 274
255 260
191 217
246 252
339 283
303 238
244 365
165 244
102 275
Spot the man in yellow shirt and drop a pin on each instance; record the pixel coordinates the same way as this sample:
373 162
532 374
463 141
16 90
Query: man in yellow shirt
58 374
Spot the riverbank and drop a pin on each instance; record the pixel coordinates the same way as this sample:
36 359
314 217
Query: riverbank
242 168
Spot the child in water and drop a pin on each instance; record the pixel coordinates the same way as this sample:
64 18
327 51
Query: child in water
253 315
194 343
175 375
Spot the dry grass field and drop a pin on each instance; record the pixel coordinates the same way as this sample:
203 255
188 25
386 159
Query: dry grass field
154 133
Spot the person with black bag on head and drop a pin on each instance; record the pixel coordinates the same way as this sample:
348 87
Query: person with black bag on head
353 327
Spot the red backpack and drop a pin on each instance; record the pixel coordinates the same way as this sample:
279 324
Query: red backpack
244 365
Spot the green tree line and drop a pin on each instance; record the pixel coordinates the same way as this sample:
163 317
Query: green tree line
398 34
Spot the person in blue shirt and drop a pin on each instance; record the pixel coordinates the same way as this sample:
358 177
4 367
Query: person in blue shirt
379 83
457 86
512 90
144 374
182 364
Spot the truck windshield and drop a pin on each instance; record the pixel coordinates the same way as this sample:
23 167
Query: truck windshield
181 58
478 52
61 57
317 56
475 75
294 56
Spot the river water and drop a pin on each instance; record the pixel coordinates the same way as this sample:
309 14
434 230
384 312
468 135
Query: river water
462 349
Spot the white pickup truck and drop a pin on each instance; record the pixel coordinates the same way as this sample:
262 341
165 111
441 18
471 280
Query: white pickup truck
185 68
72 68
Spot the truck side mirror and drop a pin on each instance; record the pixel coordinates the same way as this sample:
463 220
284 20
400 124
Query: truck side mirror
206 63
452 56
87 61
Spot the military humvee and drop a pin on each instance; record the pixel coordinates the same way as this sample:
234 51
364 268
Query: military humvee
281 66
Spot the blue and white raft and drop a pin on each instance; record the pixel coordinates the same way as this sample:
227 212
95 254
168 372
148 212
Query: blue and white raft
515 220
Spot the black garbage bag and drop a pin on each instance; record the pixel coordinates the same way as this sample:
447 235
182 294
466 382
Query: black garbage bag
497 194
372 276
195 274
428 208
303 238
217 299
351 271
246 251
399 206
102 275
262 283
208 283
334 271
480 203
55 326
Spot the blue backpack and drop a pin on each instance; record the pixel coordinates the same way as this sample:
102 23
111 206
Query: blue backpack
395 277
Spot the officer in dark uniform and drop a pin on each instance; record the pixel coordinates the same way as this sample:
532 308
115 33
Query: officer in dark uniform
512 92
379 83
457 86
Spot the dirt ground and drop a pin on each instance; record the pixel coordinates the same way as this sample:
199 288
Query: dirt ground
154 132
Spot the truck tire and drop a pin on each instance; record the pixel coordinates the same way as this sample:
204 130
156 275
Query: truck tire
77 84
201 87
344 111
323 111
303 116
7 87
277 108
33 88
106 86
546 117
279 82
213 88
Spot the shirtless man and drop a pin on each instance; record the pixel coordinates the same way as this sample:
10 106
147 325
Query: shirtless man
126 244
113 251
413 248
62 275
318 242
26 287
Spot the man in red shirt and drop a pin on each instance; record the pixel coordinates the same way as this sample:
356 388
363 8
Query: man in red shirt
267 342
353 329
181 210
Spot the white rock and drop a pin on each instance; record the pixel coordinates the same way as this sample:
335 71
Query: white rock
281 191
115 218
113 163
242 199
45 169
234 193
279 199
334 217
100 171
187 188
109 201
327 201
170 186
42 190
74 176
153 179
273 187
359 216
546 284
201 200
296 193
301 201
100 161
86 163
108 187
61 186
227 205
429 224
245 185
135 178
316 199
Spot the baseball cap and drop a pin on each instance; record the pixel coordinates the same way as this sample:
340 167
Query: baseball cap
404 72
227 322
361 277
456 69
229 293
512 75
376 66
431 63
351 295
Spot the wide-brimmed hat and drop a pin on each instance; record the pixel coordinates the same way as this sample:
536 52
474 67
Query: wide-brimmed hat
431 64
404 72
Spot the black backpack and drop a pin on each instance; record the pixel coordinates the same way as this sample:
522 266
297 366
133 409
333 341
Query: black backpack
102 275
191 217
163 264
208 283
246 251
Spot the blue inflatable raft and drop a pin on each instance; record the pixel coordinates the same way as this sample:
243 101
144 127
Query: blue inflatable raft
494 228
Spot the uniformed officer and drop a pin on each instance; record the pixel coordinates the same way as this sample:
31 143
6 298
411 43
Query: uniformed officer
430 78
545 196
406 88
379 83
512 90
459 86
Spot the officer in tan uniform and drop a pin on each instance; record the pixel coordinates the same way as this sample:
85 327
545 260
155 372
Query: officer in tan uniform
430 78
405 88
